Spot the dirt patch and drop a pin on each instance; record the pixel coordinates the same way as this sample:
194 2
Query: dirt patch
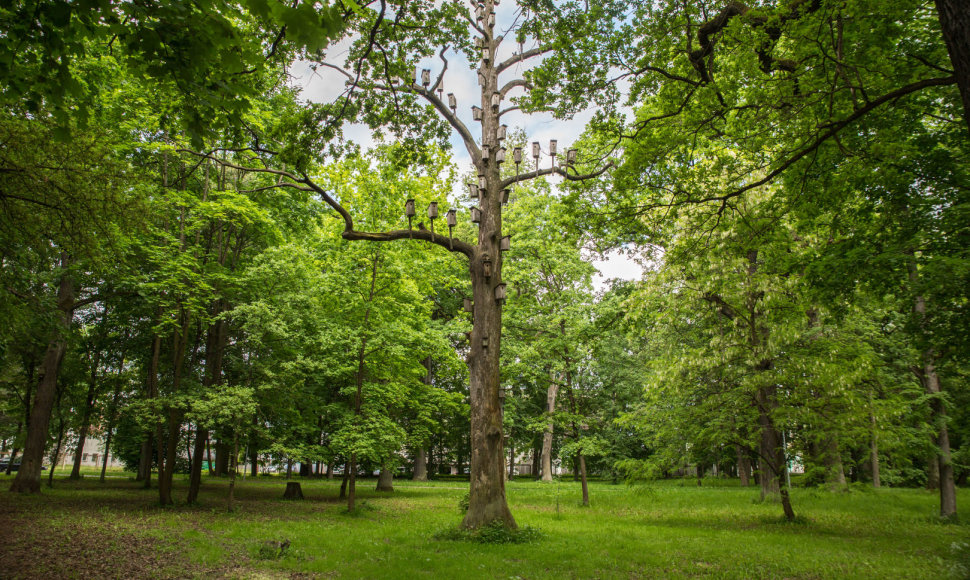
44 538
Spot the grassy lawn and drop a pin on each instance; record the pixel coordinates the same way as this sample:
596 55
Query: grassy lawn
666 530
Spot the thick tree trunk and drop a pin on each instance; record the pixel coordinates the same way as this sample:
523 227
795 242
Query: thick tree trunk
771 458
330 469
145 463
954 18
420 465
835 470
933 470
222 459
744 466
551 393
487 502
344 481
385 481
28 476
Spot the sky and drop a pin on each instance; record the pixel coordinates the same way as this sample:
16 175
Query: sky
327 85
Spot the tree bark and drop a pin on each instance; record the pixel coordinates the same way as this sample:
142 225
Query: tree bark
233 466
28 476
344 481
744 466
874 450
954 18
352 484
582 475
551 393
385 481
57 451
195 471
942 459
14 450
420 465
222 459
145 462
215 345
835 470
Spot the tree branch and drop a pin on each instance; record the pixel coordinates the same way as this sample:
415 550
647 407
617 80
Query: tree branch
532 52
558 170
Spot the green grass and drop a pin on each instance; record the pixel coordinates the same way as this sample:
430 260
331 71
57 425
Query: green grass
664 530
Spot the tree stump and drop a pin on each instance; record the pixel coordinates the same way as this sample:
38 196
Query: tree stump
293 490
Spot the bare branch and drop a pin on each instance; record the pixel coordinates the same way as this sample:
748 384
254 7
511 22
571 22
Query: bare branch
558 170
515 59
450 244
513 84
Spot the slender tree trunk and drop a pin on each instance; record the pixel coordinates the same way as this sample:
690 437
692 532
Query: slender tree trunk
233 465
152 384
208 456
551 393
874 451
28 476
57 451
88 403
511 460
85 419
195 472
166 475
420 465
352 484
107 450
254 458
942 459
14 450
954 18
421 453
582 476
112 414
